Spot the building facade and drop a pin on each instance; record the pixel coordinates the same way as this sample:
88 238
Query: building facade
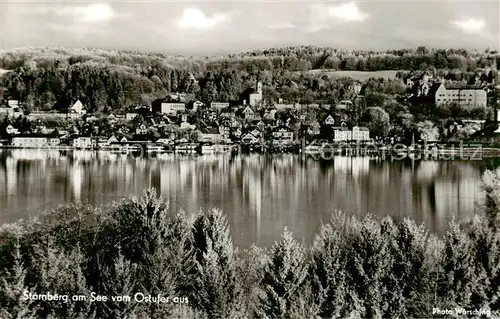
283 134
256 98
219 105
172 108
77 108
360 134
467 96
29 142
342 134
83 142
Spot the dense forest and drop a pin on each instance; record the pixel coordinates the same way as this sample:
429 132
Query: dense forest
354 268
109 80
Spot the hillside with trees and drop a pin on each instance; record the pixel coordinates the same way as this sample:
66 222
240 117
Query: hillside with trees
106 80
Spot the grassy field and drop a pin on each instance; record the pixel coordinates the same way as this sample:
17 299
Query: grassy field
358 75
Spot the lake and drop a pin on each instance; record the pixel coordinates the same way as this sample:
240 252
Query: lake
260 194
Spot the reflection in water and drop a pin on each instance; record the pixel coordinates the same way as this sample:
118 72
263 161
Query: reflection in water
261 195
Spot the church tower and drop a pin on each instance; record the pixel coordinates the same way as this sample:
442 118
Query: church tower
259 87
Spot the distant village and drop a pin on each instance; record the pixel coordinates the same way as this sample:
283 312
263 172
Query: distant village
179 123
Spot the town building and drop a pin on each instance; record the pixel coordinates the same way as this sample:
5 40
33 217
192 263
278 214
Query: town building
252 96
77 108
13 104
256 97
225 132
53 141
83 142
342 134
219 105
360 134
282 133
248 113
30 141
464 95
170 108
329 120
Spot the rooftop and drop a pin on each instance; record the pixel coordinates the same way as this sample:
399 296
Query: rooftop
462 87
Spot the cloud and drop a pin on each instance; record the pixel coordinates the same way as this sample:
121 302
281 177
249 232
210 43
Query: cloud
89 14
469 25
346 12
193 18
323 16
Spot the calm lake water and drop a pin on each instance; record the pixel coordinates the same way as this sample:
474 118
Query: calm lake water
260 194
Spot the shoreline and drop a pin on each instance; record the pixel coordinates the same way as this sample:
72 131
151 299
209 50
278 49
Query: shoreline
463 153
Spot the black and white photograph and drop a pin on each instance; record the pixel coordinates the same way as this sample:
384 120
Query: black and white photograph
251 159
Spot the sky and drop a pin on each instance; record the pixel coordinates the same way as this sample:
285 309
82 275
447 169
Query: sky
210 27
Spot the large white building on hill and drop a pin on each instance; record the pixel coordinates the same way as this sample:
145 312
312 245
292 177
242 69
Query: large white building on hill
467 95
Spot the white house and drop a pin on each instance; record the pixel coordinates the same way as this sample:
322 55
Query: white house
342 134
219 105
248 113
329 120
77 108
13 104
53 141
29 141
283 133
464 95
172 108
82 142
224 131
360 133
